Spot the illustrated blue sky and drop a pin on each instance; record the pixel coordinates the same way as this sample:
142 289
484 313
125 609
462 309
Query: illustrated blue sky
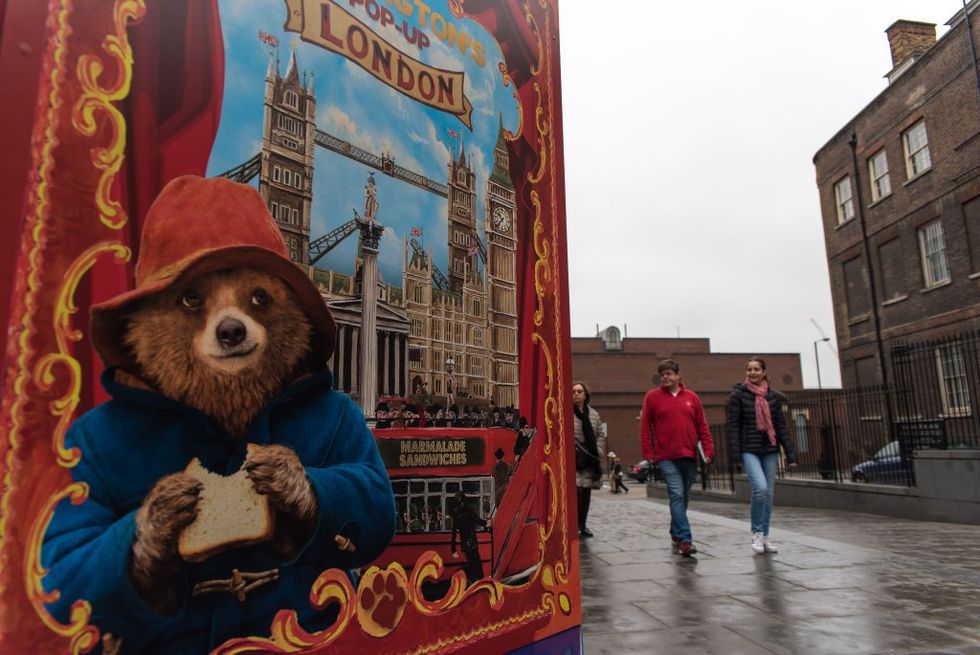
356 107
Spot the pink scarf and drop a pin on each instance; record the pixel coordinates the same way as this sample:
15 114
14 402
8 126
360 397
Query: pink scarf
763 418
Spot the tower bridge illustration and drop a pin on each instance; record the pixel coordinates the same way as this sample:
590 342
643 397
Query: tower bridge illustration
435 328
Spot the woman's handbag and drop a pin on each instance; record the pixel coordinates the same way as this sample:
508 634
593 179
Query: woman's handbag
583 459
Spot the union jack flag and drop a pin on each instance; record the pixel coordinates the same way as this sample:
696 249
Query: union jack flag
267 38
473 250
452 133
416 232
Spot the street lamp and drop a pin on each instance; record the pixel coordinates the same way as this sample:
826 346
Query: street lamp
816 356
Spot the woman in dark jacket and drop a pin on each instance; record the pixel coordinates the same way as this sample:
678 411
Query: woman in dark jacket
756 430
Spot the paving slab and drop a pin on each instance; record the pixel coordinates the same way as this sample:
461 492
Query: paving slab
841 582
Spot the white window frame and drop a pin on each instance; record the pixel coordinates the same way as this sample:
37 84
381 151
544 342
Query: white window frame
881 185
294 216
932 253
844 203
276 173
915 141
954 384
290 99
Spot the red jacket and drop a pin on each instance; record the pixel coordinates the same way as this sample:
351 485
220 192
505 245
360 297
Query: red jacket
670 426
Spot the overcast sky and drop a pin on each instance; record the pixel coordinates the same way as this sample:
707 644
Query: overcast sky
690 130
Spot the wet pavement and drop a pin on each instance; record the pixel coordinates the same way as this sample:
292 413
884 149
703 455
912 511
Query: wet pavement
842 582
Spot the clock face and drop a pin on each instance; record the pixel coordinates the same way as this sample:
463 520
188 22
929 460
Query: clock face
501 219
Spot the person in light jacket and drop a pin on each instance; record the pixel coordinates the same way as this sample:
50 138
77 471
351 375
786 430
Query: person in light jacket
590 452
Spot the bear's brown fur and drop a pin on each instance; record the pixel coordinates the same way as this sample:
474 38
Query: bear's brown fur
181 347
163 335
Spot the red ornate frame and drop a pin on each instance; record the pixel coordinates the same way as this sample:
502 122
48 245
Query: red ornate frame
75 234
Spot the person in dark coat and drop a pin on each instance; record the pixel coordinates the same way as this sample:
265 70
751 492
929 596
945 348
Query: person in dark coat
381 416
756 430
618 477
466 521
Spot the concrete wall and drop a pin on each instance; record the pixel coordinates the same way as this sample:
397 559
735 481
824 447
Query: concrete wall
948 490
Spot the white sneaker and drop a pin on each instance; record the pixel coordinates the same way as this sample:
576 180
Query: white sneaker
758 542
769 546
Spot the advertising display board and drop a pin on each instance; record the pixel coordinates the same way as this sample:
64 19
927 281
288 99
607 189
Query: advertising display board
231 228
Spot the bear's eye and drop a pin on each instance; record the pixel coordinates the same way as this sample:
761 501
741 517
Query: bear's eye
191 299
260 298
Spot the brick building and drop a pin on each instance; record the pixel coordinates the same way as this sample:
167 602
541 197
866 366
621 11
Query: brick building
900 187
620 371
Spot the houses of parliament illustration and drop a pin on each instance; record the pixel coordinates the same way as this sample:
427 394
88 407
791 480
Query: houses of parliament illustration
442 336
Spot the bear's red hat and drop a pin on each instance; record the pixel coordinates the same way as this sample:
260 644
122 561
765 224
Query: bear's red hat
198 225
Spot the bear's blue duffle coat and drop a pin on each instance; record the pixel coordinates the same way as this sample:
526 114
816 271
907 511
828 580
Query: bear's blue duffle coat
138 437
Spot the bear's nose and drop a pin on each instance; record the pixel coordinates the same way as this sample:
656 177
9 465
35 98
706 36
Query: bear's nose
231 332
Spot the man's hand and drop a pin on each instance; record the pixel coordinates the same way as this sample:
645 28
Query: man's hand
455 554
707 460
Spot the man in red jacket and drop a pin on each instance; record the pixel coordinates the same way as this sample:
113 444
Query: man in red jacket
671 425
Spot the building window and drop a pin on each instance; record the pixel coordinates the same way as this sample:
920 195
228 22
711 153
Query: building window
294 217
881 186
932 248
290 98
951 366
916 144
892 267
418 328
276 173
291 125
289 143
415 359
436 330
856 289
971 218
274 209
845 203
478 337
417 293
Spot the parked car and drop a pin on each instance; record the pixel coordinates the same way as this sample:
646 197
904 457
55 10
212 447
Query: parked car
643 470
888 465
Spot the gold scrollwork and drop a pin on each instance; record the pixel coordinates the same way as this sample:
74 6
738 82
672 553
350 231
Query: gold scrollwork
94 97
287 635
537 37
83 637
542 272
544 130
509 81
64 408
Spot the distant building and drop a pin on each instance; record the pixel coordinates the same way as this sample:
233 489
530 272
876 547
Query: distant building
620 371
915 186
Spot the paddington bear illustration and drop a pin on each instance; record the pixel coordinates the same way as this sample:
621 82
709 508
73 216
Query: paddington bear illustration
216 361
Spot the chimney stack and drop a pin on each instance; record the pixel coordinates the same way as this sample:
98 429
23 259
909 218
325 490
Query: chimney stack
909 38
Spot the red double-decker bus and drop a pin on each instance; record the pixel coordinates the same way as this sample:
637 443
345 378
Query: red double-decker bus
496 468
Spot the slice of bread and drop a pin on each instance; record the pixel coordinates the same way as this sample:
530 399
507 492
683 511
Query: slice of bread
230 513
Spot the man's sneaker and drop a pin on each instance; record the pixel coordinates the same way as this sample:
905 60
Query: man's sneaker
769 546
758 542
686 548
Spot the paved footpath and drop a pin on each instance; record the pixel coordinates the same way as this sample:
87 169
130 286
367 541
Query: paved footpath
841 583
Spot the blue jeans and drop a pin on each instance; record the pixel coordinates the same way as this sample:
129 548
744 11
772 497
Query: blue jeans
679 475
761 471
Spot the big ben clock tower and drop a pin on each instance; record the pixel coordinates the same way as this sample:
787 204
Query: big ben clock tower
502 276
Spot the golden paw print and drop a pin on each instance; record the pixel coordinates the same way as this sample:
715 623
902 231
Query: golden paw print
382 595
